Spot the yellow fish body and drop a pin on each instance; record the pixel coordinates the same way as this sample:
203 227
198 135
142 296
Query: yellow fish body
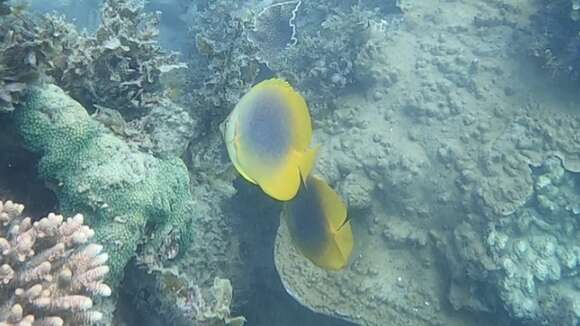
318 224
268 137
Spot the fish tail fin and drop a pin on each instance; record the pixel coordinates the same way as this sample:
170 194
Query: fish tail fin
339 249
307 163
344 242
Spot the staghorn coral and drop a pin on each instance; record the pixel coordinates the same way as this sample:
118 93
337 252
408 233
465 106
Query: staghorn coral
48 271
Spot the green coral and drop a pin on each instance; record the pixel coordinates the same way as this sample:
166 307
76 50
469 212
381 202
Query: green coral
128 197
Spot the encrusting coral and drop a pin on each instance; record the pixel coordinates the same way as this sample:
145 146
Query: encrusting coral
48 270
127 197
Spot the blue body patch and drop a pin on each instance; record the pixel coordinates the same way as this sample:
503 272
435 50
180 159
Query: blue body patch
306 219
266 127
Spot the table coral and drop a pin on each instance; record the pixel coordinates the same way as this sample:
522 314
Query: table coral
48 271
128 197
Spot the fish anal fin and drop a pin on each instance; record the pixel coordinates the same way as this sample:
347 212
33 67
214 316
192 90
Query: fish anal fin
283 184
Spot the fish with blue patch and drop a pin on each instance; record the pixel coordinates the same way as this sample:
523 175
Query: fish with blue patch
268 136
319 226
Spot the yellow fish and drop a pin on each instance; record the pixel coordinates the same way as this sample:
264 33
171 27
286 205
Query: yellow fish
268 137
318 223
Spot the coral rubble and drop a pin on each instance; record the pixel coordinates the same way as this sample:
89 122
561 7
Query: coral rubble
49 270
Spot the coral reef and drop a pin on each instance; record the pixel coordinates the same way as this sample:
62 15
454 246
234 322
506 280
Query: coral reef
183 302
440 151
537 248
221 68
125 61
526 261
82 13
443 155
119 67
170 128
128 197
321 47
222 63
31 47
49 271
557 37
274 29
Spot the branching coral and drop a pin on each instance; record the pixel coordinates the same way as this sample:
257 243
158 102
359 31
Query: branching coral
48 271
